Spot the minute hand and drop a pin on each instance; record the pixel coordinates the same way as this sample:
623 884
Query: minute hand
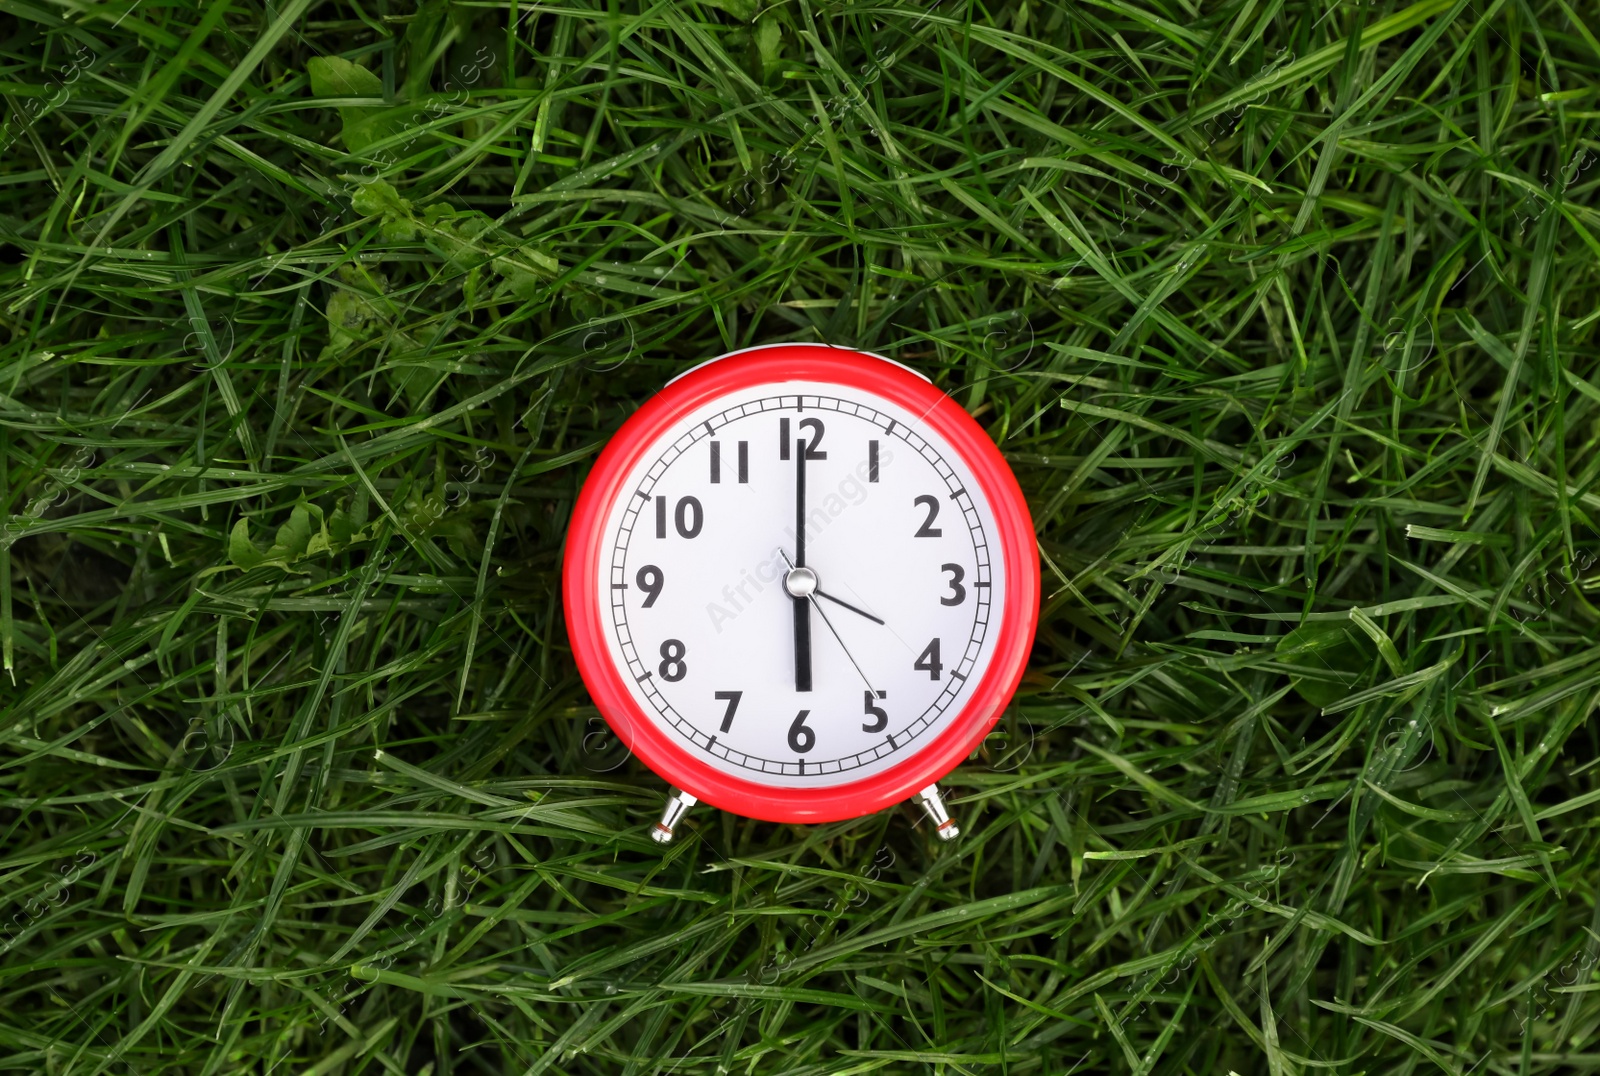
802 608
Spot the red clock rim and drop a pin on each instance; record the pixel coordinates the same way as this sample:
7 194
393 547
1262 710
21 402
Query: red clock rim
775 364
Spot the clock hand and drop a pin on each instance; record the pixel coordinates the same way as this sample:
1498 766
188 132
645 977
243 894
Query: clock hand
799 504
848 606
802 610
846 649
802 584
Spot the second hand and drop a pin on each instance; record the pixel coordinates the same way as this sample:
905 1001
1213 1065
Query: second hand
805 587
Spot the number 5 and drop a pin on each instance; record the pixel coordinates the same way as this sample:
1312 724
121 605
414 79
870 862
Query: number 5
881 715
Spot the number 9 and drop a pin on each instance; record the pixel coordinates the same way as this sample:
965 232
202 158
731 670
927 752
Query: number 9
650 581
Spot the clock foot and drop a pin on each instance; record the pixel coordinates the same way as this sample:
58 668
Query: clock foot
678 804
944 825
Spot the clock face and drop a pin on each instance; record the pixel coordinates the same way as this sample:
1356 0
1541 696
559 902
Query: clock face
798 582
801 583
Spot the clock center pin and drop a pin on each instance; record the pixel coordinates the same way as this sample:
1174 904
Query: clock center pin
800 582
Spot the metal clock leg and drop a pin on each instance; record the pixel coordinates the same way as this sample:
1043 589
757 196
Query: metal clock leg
678 803
945 826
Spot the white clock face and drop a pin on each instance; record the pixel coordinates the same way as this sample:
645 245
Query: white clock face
900 572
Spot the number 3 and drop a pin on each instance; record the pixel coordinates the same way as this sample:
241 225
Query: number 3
958 593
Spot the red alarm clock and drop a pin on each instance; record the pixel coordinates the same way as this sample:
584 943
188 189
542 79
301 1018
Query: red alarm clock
801 584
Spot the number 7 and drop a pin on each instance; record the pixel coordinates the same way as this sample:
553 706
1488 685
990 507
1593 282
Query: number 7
732 699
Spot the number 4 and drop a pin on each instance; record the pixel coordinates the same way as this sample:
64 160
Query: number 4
929 661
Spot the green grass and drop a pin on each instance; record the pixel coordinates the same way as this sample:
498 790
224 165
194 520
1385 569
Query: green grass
313 318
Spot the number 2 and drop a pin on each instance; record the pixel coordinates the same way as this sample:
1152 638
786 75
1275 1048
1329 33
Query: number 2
816 428
928 530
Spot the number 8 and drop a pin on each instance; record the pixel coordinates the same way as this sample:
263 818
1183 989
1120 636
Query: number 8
672 652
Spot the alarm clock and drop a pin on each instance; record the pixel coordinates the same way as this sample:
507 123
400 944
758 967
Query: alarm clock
801 584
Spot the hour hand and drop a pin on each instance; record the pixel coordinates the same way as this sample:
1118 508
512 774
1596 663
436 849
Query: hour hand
802 644
801 585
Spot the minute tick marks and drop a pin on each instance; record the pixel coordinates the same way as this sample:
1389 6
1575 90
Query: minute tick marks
703 660
709 617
